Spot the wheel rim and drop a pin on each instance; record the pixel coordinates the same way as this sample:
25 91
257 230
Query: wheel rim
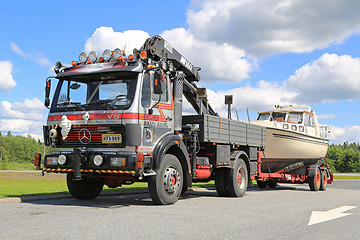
172 180
241 175
324 179
318 178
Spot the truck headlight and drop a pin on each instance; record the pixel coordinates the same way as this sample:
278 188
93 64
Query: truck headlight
83 57
118 161
61 159
98 160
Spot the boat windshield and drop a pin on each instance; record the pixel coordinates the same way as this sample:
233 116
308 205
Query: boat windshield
95 95
278 116
263 116
295 117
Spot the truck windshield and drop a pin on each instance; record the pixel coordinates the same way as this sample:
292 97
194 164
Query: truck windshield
93 95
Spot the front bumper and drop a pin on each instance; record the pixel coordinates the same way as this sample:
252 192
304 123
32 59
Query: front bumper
82 161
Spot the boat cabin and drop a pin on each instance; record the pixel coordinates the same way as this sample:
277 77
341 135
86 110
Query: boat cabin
299 119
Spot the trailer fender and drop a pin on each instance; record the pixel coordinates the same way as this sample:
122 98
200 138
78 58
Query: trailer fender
173 145
312 170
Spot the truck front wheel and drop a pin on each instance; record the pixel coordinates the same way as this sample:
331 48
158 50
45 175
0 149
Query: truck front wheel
166 186
238 179
86 188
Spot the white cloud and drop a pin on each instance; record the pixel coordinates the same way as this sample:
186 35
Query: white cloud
262 97
329 78
22 117
30 109
7 81
326 116
17 49
219 62
106 38
274 26
340 135
35 57
21 126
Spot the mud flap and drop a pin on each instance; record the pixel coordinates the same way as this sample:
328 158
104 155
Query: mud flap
77 164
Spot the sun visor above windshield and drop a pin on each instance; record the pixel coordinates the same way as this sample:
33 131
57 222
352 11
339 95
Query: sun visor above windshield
100 68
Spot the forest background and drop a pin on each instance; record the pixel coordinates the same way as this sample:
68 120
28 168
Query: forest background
17 153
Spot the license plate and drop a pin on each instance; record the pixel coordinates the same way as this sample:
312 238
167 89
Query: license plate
111 138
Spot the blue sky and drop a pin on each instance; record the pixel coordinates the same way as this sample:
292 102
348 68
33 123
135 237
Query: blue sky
265 52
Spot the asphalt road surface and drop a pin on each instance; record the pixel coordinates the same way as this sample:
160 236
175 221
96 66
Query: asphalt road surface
283 213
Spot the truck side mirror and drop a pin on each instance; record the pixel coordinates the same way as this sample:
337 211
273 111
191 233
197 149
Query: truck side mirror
47 93
157 80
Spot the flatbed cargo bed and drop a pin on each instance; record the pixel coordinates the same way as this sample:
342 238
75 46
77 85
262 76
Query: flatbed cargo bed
215 129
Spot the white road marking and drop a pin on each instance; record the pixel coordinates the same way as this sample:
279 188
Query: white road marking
319 217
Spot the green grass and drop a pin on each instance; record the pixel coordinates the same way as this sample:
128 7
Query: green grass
16 166
344 177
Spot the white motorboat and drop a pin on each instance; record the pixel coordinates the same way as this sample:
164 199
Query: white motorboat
293 136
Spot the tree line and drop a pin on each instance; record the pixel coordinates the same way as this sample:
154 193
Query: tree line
344 157
18 149
341 157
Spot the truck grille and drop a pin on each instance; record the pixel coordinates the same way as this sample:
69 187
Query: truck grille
92 135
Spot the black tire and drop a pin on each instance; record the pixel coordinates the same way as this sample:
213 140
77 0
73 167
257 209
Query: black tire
324 178
315 181
86 188
262 184
166 186
220 182
237 181
272 184
184 189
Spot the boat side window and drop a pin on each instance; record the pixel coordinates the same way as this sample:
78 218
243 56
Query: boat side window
295 117
309 120
263 116
278 117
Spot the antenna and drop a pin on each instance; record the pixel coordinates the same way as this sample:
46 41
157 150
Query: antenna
125 48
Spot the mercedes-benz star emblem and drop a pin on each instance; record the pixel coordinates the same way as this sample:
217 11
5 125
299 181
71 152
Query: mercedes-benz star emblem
84 136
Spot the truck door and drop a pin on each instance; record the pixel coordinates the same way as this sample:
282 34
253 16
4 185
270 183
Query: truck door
157 106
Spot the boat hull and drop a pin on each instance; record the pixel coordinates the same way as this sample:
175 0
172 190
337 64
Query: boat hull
284 148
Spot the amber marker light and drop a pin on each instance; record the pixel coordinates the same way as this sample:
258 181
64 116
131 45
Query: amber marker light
143 54
73 63
101 59
131 57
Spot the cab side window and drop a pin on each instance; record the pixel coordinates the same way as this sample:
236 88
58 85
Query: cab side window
146 91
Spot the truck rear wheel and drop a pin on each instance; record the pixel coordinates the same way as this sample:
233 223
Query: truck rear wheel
220 182
324 178
166 186
272 184
261 184
86 188
315 181
237 181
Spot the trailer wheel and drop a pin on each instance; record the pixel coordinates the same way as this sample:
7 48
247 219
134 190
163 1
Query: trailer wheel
220 182
166 186
324 178
315 181
86 188
238 179
272 184
261 184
